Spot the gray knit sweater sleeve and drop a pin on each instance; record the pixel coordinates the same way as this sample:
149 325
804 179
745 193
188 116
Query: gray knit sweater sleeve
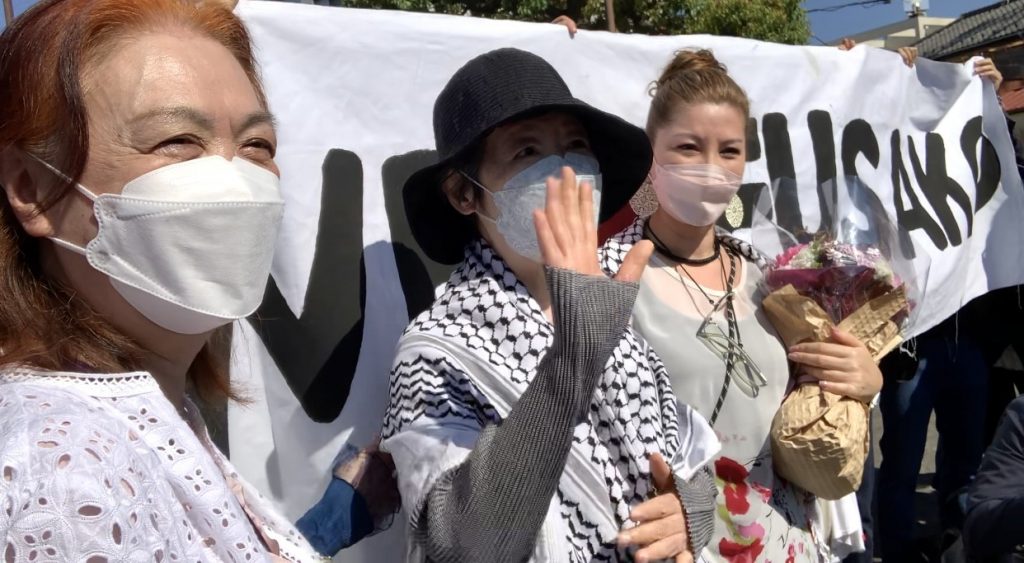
492 506
698 498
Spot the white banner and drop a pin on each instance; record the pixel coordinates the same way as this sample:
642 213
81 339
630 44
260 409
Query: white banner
353 91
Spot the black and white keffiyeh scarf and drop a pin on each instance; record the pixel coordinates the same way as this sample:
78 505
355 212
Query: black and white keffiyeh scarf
487 316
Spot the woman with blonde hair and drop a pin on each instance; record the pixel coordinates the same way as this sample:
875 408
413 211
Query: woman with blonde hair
699 308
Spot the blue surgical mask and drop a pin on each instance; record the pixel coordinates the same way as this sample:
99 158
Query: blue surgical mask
527 191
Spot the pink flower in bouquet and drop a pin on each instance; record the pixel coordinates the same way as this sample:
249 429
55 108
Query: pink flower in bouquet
786 257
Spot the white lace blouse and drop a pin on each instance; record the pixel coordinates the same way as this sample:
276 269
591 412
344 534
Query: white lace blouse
102 468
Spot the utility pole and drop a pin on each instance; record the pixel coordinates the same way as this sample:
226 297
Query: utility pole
609 8
8 11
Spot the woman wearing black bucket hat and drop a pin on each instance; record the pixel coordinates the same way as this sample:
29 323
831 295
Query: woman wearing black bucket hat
527 422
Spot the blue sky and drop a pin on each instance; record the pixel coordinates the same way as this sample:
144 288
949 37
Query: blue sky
19 7
827 26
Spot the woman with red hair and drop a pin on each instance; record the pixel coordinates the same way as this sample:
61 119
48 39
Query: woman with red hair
139 219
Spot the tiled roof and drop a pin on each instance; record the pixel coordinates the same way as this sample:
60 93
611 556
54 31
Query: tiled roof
1013 102
997 22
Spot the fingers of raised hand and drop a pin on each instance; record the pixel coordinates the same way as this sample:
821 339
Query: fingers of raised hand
636 261
570 193
566 229
550 250
557 214
587 214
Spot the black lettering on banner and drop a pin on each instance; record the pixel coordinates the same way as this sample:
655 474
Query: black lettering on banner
781 172
819 123
987 173
913 216
753 141
317 353
859 140
938 187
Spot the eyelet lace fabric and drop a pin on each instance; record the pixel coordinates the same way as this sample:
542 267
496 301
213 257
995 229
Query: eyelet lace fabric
102 468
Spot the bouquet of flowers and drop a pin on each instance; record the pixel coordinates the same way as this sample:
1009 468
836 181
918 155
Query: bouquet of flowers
816 285
849 274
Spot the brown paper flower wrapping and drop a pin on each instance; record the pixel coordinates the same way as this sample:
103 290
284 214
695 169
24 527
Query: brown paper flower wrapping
819 439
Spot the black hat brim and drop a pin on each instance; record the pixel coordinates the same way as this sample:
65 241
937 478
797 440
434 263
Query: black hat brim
622 149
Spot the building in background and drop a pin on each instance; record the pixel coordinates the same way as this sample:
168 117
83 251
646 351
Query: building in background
900 34
995 31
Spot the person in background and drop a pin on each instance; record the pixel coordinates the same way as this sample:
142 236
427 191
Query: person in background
866 492
526 421
994 526
699 307
140 211
950 377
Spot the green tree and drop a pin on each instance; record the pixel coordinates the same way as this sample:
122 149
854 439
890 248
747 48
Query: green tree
526 10
782 21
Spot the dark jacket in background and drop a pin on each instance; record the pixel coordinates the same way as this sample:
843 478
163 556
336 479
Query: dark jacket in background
995 500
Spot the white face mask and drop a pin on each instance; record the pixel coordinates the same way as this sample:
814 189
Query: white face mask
695 194
527 191
188 245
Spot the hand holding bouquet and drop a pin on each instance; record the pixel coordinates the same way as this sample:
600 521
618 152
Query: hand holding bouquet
837 285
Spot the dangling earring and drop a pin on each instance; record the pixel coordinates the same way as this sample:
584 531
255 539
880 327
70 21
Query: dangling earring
734 213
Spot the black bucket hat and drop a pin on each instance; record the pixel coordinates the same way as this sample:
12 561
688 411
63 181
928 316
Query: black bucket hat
497 88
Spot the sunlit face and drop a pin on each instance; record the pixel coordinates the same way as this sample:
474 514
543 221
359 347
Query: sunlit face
514 147
161 98
703 134
508 150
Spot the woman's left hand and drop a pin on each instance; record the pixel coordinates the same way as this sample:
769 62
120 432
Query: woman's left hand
843 366
661 523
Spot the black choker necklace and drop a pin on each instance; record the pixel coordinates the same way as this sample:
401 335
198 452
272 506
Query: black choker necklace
662 249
